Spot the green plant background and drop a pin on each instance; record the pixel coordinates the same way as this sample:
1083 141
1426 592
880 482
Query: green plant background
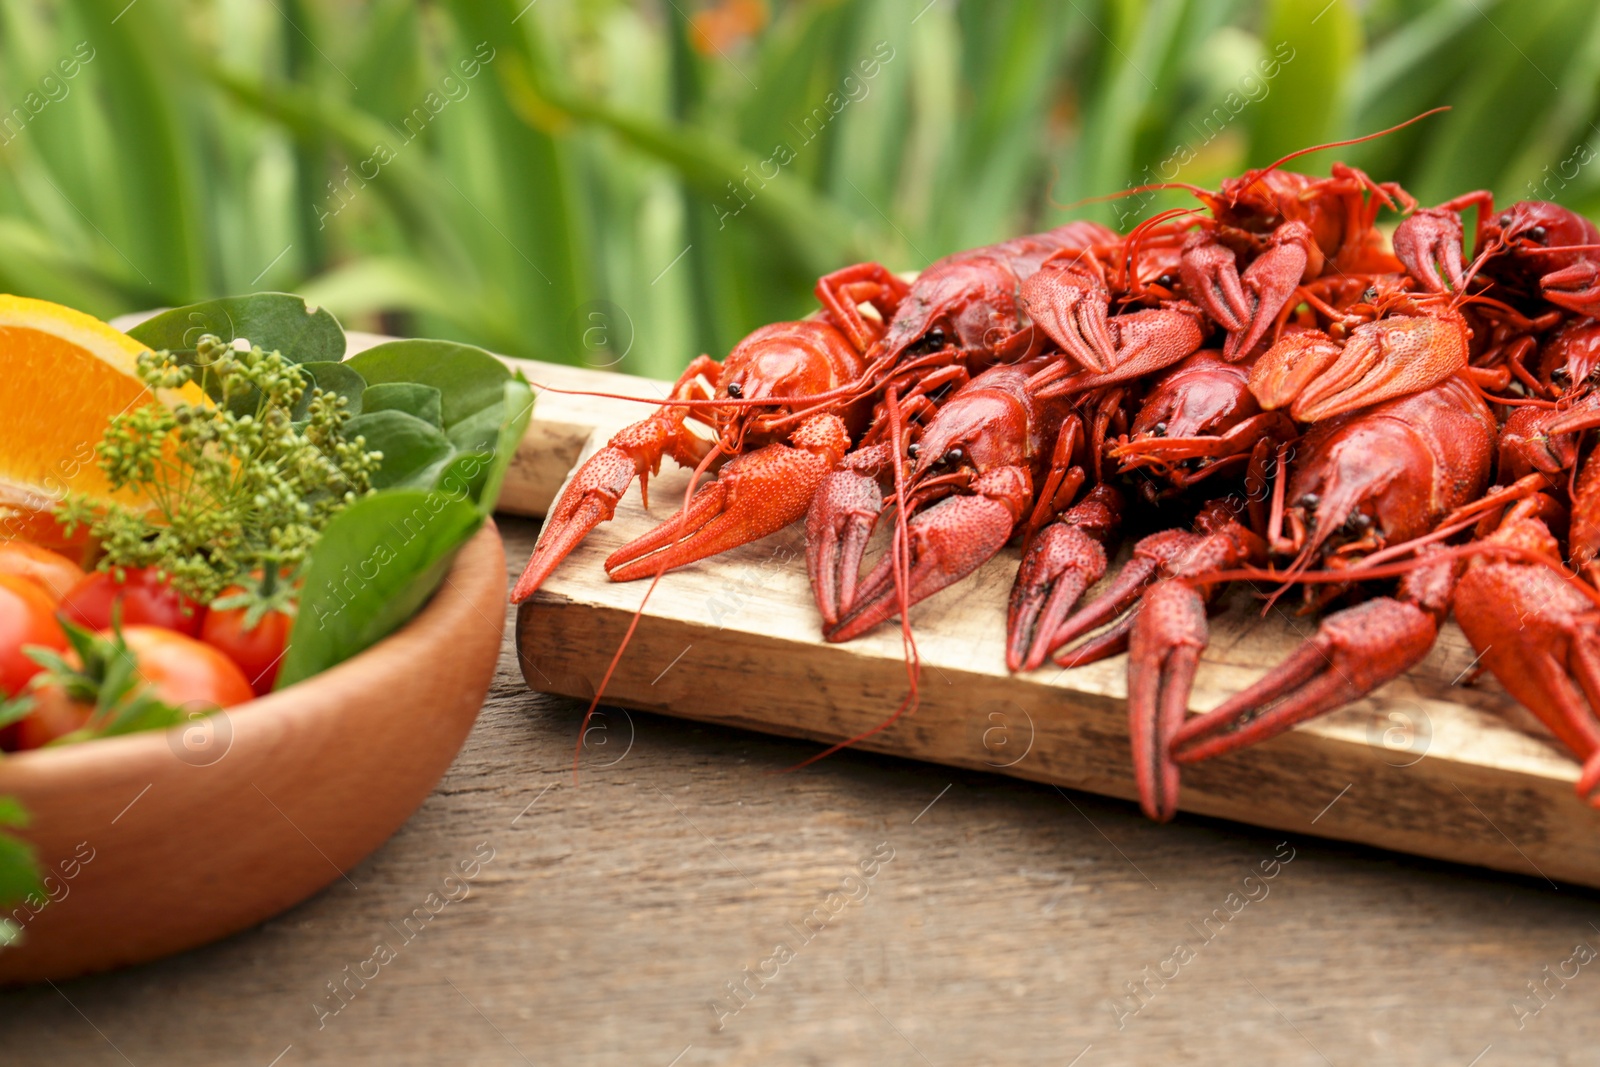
571 200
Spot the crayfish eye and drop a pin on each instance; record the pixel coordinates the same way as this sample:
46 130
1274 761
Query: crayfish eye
1166 281
1370 295
735 390
1310 500
1505 220
935 338
1536 235
1560 375
1159 429
955 456
913 449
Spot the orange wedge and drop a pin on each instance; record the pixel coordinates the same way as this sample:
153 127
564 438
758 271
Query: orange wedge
63 375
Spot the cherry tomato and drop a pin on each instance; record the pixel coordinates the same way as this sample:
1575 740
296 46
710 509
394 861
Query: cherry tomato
178 670
53 716
27 617
53 572
147 600
258 651
182 671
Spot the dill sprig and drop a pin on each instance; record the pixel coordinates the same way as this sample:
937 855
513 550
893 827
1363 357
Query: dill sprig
233 492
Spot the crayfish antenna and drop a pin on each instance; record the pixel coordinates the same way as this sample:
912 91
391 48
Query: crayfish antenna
633 624
1297 153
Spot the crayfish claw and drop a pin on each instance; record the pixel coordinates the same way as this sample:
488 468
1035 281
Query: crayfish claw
1428 243
839 524
1271 281
1060 565
1575 287
947 542
1073 308
1150 555
589 499
1540 637
1353 652
1589 781
1164 644
1210 274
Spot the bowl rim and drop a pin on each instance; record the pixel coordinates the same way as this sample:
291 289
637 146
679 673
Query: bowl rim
37 765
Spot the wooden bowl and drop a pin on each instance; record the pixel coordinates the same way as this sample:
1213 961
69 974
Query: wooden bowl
161 841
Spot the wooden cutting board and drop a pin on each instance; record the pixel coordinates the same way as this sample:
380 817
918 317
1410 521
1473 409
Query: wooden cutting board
1428 765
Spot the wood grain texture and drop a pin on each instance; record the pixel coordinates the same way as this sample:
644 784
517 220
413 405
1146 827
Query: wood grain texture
1004 931
1423 766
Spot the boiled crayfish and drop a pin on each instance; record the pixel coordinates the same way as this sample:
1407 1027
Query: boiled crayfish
1266 389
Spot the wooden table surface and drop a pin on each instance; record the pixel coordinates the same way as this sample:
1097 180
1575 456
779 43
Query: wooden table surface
870 910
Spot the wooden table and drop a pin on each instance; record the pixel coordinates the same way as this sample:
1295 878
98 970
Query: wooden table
1002 923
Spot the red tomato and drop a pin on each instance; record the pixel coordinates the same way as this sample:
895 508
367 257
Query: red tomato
54 573
178 670
53 716
27 617
182 671
257 651
147 600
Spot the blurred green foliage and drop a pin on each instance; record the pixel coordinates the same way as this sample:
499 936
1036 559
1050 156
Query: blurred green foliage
630 184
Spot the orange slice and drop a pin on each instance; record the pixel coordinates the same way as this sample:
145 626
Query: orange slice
64 374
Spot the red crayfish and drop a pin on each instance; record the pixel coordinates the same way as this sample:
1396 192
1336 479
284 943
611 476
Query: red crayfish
1268 390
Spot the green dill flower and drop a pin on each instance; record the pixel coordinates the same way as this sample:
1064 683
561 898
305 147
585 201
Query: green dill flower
235 492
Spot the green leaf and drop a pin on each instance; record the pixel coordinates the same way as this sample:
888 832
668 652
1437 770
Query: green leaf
518 409
19 873
413 450
280 321
479 474
483 409
19 864
141 713
413 398
468 378
338 378
379 560
465 477
12 814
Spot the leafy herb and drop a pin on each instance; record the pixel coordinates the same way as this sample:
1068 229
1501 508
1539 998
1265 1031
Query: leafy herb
442 421
380 561
430 404
235 489
19 867
381 558
278 321
106 677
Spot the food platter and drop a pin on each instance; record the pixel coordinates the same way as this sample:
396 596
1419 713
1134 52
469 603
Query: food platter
1436 763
